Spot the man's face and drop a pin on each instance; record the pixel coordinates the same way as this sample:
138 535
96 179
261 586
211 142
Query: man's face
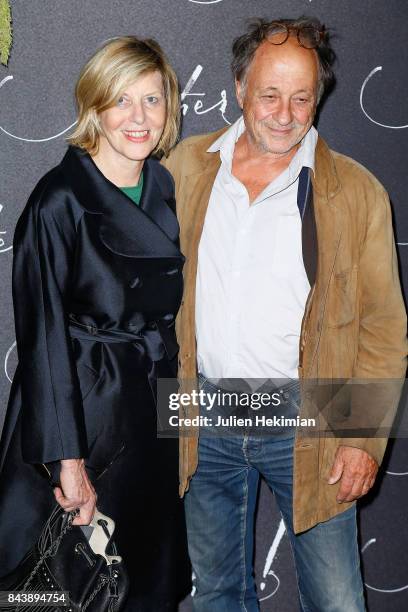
279 97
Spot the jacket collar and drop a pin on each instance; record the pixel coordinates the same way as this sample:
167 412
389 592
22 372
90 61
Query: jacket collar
324 179
202 160
150 229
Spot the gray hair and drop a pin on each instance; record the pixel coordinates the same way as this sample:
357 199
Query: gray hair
259 30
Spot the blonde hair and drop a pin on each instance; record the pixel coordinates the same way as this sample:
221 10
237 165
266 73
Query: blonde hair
115 66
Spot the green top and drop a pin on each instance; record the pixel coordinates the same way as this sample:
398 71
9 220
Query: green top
134 193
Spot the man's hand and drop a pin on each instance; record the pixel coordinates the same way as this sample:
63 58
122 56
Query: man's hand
356 471
76 491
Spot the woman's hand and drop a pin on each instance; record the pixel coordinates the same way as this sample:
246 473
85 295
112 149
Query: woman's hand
76 491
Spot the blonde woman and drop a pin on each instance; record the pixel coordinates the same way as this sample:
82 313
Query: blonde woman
97 283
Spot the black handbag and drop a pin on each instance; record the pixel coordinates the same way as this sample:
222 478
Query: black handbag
80 560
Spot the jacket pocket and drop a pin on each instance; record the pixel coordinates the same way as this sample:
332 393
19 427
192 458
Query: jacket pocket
342 299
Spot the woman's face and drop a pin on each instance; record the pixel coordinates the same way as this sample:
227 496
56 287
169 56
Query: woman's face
132 128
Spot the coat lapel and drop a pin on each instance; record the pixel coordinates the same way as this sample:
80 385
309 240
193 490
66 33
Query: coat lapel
329 222
125 229
328 215
198 186
157 202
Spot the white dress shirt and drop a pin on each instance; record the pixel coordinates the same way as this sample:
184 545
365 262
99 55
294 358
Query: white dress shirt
251 282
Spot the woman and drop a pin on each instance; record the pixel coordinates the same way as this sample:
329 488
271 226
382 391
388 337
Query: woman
97 282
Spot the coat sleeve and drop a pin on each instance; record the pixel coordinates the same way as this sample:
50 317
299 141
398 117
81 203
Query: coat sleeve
382 342
53 425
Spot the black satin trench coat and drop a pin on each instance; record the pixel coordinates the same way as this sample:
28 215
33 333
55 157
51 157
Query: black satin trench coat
97 282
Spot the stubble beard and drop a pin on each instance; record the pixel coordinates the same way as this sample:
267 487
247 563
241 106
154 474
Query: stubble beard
264 146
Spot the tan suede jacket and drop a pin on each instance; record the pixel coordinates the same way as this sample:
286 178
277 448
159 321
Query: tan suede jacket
354 325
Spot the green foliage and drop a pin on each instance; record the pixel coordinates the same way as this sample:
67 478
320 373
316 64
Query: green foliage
5 31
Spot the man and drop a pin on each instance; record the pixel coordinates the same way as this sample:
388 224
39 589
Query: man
290 273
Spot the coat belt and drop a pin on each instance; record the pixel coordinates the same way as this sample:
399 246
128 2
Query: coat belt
157 336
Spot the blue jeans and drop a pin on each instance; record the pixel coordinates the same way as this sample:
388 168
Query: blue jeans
220 508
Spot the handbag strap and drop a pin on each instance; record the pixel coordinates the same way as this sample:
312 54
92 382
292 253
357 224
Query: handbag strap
104 580
52 550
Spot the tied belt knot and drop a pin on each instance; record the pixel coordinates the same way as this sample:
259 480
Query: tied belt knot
157 336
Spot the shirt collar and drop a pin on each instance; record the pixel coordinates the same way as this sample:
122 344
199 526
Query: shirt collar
225 144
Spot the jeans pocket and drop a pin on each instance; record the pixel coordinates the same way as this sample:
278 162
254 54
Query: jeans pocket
201 381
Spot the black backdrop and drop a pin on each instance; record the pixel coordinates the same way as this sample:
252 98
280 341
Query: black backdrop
365 117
